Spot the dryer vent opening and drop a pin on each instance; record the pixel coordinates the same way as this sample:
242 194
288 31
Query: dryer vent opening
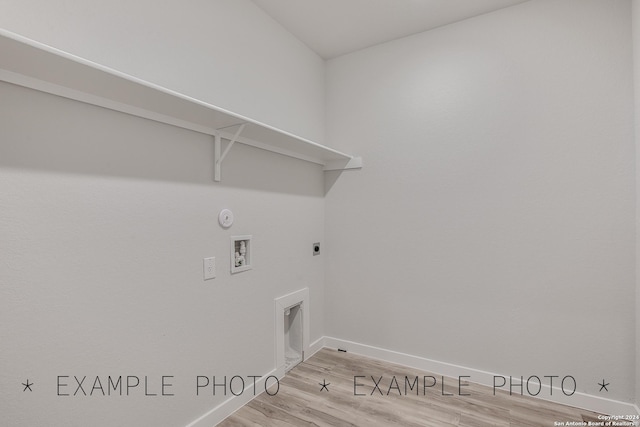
292 329
293 336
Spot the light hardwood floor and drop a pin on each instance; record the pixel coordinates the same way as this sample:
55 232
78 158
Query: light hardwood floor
301 402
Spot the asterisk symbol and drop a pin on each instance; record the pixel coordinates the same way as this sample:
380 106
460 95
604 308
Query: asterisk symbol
27 386
324 385
603 385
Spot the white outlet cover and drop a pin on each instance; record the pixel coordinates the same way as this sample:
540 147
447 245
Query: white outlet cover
225 218
209 268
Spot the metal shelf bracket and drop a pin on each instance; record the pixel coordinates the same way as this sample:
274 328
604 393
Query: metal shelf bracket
218 158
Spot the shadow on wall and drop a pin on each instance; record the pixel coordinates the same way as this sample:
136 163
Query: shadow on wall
49 133
330 178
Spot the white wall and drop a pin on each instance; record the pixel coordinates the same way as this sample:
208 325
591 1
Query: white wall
493 224
501 146
104 222
105 218
226 52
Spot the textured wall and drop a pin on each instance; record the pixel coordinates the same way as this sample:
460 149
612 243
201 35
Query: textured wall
104 222
105 218
493 224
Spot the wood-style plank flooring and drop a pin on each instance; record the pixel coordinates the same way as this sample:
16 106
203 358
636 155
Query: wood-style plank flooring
301 402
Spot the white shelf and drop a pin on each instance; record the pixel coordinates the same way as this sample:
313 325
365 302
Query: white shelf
37 66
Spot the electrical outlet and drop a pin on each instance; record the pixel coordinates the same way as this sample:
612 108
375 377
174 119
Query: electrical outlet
316 248
209 268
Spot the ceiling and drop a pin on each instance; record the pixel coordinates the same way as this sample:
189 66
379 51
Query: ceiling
335 27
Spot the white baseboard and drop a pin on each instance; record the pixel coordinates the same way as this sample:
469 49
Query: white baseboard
315 347
578 400
231 405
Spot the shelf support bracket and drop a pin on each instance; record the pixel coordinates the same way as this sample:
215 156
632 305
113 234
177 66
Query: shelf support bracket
218 158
